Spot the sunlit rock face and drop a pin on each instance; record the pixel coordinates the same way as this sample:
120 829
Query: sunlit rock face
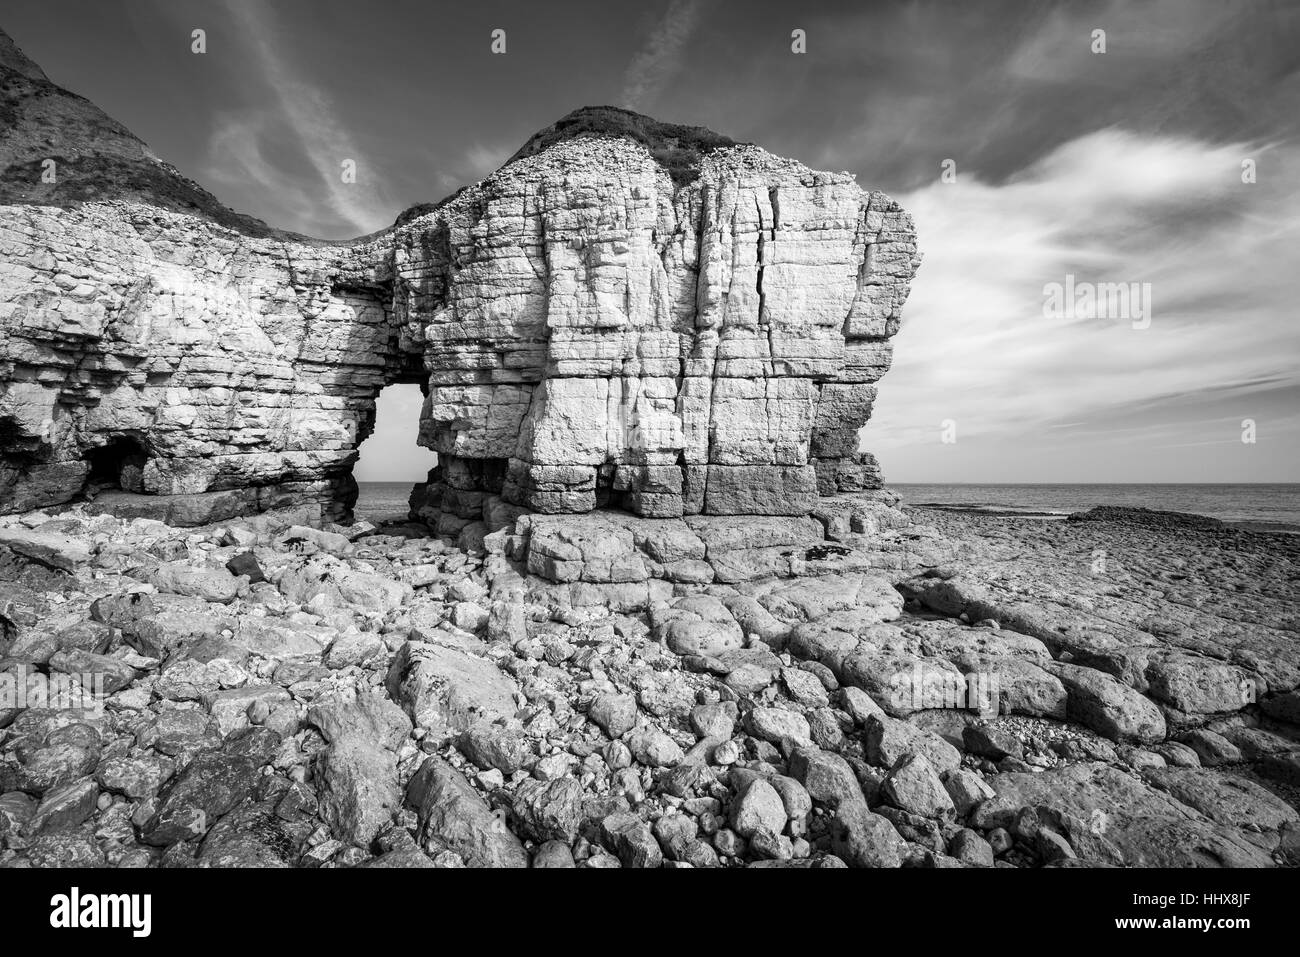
160 354
627 314
194 361
598 334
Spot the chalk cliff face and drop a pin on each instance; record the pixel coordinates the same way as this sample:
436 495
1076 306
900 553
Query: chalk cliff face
626 314
596 333
153 341
163 354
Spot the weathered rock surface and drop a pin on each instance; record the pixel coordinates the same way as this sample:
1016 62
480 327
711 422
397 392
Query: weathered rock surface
1112 817
353 710
454 817
590 324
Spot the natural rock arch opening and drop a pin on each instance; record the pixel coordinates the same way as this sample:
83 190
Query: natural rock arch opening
389 460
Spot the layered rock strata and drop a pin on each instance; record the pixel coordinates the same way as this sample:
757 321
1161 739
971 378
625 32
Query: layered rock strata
160 354
195 361
597 334
593 325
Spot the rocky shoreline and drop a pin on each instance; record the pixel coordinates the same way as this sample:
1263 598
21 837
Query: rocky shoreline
869 687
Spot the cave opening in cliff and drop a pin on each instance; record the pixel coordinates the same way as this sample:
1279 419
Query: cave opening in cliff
389 460
116 465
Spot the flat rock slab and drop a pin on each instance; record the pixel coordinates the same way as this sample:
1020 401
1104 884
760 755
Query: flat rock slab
1224 797
1202 617
1108 706
57 551
1114 817
200 508
606 547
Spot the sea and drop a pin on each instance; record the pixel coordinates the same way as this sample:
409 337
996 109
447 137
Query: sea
383 501
1260 506
1253 505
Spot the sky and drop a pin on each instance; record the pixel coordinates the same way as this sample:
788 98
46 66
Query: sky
1031 161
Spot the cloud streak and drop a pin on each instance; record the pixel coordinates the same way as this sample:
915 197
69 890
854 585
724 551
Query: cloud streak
655 64
240 145
1110 206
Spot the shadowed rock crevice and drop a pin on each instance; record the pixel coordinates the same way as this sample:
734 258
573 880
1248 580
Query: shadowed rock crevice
118 464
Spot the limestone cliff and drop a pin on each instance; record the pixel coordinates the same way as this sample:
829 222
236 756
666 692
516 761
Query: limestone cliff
153 341
628 313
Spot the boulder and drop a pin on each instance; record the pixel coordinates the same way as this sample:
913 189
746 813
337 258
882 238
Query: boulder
1109 707
447 690
453 817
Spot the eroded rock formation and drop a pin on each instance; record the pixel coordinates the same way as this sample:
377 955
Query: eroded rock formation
596 333
163 354
155 342
628 314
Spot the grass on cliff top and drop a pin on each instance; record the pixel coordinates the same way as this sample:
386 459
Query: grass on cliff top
96 158
677 148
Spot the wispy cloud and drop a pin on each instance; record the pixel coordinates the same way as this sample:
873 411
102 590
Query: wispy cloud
298 107
660 58
470 165
1110 206
237 160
